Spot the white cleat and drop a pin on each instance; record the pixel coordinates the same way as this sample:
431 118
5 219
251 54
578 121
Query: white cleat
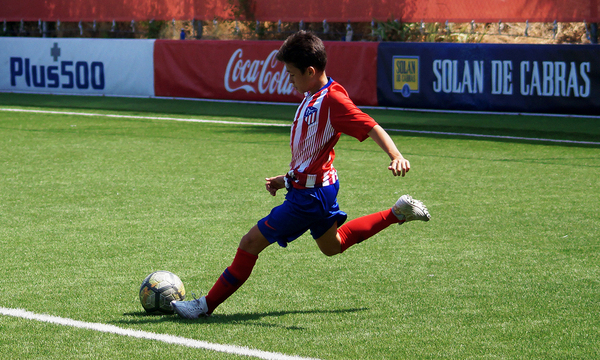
409 209
190 309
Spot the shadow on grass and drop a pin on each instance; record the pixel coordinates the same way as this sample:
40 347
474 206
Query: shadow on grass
141 317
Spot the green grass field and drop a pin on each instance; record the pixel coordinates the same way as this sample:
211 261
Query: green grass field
508 268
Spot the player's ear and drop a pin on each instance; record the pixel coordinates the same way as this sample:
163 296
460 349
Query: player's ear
311 70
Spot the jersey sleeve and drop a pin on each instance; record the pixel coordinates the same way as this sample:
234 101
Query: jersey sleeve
346 117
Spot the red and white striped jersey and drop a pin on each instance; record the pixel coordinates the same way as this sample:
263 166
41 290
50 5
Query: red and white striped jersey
318 124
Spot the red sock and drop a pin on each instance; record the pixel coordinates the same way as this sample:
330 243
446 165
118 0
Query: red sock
360 229
232 278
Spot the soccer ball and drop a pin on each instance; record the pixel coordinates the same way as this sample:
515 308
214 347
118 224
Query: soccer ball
159 289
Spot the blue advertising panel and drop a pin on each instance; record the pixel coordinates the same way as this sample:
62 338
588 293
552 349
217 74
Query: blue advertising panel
561 79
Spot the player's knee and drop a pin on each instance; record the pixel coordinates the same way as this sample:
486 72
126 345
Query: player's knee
331 251
253 242
330 254
247 242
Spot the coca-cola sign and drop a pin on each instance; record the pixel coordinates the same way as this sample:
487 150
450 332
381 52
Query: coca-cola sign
249 71
266 76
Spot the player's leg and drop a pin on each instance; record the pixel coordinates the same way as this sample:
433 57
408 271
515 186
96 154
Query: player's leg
335 241
329 243
232 278
282 225
254 242
240 269
362 228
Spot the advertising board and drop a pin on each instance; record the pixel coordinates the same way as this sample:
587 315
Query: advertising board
248 70
77 66
490 77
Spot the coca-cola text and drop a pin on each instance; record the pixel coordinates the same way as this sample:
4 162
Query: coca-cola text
253 75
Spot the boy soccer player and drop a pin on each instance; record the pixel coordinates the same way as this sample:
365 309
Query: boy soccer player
312 183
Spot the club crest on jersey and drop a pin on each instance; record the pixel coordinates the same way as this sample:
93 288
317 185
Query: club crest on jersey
311 110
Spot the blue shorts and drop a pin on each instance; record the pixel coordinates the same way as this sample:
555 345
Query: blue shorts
303 209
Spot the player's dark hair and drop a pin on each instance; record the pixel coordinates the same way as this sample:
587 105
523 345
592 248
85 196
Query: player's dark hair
303 49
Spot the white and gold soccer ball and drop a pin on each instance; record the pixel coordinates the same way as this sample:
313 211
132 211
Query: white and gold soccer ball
159 289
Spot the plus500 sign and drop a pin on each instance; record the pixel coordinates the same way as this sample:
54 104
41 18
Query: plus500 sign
250 75
68 75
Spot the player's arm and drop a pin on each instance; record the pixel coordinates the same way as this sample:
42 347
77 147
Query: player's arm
275 183
399 165
348 119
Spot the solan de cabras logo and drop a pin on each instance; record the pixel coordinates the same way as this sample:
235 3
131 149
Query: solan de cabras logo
64 74
406 75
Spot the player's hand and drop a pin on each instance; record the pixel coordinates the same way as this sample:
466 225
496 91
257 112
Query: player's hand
399 166
275 183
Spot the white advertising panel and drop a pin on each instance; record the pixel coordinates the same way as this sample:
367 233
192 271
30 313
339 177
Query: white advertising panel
77 66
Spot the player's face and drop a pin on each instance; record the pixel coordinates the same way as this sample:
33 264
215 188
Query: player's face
303 82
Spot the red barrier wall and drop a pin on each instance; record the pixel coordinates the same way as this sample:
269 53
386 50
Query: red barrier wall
430 10
109 10
248 71
307 10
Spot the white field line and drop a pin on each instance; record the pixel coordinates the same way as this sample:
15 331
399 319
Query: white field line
143 117
296 104
288 125
169 339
